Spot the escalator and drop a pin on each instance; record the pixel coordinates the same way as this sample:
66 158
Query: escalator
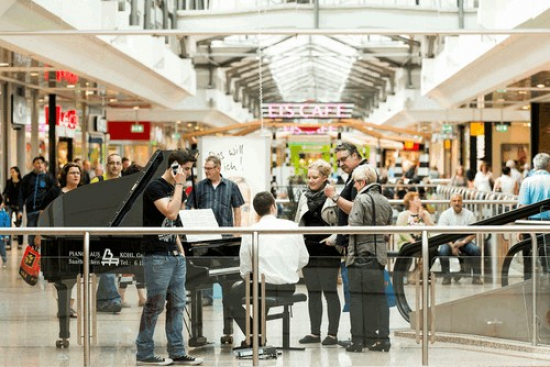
409 251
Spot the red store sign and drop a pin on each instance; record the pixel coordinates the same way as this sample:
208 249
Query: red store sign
67 119
129 130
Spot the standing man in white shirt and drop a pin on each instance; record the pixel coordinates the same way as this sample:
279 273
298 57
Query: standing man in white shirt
281 256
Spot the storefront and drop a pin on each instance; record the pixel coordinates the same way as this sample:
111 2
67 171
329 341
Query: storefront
131 139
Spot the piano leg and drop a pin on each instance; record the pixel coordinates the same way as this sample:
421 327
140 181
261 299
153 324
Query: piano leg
64 288
227 338
196 339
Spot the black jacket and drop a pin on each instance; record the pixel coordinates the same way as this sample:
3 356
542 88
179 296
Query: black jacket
34 188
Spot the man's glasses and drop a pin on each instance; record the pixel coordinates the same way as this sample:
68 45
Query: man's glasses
114 164
209 168
343 159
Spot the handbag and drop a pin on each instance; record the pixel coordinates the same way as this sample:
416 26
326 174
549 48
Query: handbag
30 266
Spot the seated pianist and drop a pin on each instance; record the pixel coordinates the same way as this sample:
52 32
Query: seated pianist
281 256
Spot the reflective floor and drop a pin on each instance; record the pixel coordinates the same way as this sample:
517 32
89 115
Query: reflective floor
29 328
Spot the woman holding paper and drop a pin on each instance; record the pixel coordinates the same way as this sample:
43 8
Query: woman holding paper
321 273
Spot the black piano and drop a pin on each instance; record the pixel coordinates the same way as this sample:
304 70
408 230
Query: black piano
113 203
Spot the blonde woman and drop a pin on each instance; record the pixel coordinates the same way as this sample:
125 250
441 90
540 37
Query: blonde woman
321 273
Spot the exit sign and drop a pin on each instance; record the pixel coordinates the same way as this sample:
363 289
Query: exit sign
137 128
501 128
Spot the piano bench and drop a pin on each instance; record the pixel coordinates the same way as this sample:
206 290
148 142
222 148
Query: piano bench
285 314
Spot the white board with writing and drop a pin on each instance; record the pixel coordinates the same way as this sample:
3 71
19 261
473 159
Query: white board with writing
245 160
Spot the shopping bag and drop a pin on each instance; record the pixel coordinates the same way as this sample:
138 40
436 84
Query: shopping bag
30 266
390 294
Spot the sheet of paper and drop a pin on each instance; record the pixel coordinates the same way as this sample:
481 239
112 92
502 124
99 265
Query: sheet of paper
199 218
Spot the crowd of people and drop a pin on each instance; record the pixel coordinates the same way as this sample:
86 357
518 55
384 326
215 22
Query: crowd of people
359 259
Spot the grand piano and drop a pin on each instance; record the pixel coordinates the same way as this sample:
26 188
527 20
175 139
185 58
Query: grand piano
113 203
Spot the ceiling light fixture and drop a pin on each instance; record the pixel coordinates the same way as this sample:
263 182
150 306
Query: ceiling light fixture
113 100
4 64
540 85
34 73
70 86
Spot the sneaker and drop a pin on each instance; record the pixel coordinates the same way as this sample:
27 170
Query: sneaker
446 281
125 305
187 360
154 361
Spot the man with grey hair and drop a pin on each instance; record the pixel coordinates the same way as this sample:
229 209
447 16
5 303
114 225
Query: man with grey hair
533 189
536 187
366 260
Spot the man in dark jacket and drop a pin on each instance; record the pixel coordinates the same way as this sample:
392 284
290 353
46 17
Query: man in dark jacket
34 187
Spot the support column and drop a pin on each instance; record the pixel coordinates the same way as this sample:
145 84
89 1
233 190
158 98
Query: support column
5 110
52 120
424 168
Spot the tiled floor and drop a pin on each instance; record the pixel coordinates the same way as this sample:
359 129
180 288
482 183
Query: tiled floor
28 331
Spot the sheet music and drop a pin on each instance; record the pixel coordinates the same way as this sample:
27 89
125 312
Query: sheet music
199 218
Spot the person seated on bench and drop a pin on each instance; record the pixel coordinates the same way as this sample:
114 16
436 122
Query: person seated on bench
456 215
281 256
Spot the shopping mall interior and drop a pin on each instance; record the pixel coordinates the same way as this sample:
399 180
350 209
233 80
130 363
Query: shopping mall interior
271 86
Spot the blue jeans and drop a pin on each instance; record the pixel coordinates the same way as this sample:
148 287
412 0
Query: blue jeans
469 249
3 240
165 284
345 286
107 291
32 221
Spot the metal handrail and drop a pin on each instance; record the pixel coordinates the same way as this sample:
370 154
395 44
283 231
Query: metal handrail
256 233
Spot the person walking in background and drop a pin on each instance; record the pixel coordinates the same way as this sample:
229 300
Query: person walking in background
458 179
5 222
164 265
69 179
321 273
108 299
484 180
506 183
514 173
13 201
366 260
34 187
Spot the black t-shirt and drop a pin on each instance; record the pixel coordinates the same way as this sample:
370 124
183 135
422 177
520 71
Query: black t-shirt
349 193
152 217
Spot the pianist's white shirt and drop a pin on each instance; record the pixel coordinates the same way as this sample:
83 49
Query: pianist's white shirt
281 255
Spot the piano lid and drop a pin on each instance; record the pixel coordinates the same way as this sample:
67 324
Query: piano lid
107 203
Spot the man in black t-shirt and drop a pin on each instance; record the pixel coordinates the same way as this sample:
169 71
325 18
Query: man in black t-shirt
164 265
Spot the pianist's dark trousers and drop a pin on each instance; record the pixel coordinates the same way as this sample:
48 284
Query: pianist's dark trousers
238 311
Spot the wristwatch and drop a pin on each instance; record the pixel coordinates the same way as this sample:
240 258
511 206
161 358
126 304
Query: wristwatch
335 198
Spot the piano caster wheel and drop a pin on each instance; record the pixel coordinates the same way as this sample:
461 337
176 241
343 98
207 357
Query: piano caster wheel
62 343
226 339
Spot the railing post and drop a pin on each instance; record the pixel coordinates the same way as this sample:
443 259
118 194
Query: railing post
86 300
425 287
255 295
534 253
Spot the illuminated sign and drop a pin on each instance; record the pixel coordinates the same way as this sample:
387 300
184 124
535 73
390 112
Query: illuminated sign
477 128
63 75
67 119
307 110
137 128
501 128
411 146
